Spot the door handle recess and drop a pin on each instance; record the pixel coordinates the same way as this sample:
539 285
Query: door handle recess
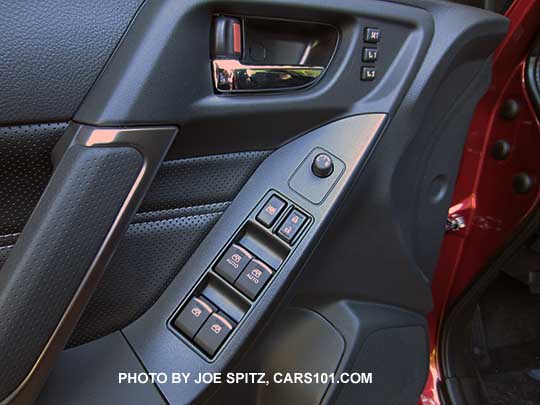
232 76
100 179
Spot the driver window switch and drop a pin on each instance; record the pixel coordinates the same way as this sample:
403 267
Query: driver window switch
253 278
233 262
193 316
214 331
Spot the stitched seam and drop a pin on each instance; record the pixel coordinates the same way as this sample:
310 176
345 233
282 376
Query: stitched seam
158 220
7 235
179 217
230 155
187 207
153 212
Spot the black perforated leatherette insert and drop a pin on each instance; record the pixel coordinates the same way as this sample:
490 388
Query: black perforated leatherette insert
54 253
25 169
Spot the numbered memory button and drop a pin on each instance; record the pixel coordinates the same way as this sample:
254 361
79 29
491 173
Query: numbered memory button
214 331
369 54
193 315
233 262
292 224
253 278
368 73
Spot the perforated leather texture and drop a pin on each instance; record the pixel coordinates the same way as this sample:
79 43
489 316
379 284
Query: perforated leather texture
50 259
201 180
52 52
148 258
26 169
184 202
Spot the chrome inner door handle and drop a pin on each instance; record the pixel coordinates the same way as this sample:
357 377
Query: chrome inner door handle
232 76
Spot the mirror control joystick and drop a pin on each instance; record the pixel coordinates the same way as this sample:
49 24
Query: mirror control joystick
322 166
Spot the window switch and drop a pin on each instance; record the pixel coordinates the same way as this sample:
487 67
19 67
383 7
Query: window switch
292 224
214 331
233 262
253 278
271 210
193 316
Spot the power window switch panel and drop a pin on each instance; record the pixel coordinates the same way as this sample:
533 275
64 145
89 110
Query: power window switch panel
271 210
193 316
233 262
292 225
214 331
253 278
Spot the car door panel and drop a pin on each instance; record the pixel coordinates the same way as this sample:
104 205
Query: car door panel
360 267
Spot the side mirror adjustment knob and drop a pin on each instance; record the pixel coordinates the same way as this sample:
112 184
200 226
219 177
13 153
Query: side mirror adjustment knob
322 166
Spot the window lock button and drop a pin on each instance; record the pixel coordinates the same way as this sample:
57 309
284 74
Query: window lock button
233 262
194 314
292 225
271 210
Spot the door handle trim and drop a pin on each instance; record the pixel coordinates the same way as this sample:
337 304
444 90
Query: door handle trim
232 76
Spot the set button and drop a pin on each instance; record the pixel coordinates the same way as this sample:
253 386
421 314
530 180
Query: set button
372 35
233 262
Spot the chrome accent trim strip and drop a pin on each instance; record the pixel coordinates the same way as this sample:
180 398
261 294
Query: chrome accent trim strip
232 76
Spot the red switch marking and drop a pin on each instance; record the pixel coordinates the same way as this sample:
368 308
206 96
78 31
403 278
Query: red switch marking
237 38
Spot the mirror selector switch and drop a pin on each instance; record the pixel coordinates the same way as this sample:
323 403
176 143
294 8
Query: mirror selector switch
194 314
322 166
253 278
292 225
271 210
214 331
233 262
